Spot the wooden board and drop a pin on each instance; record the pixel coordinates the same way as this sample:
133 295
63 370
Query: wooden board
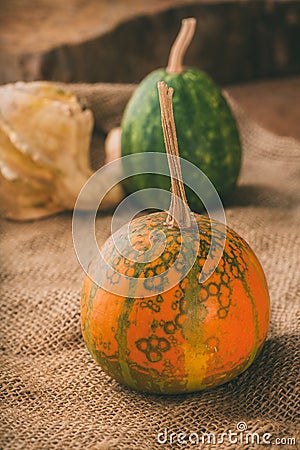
121 41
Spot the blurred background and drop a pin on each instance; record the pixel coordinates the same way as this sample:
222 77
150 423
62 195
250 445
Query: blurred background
251 46
121 41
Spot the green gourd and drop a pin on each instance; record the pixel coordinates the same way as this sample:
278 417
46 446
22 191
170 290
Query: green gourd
206 128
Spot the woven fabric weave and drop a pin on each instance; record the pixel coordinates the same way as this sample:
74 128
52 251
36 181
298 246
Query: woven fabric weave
54 396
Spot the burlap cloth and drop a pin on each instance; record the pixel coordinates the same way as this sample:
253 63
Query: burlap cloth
54 396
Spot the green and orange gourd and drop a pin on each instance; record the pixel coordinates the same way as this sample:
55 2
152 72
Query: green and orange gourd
194 335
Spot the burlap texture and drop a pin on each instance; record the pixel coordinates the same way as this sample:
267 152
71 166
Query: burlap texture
54 396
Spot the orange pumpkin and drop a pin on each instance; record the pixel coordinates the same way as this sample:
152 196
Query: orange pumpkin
190 337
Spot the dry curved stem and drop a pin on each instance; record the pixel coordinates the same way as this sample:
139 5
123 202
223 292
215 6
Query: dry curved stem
183 40
179 208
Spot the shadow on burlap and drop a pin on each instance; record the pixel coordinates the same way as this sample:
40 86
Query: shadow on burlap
54 396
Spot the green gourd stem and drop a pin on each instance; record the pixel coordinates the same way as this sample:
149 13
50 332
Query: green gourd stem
179 208
183 40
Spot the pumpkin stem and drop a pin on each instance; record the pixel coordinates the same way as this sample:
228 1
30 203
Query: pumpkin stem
179 208
182 41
